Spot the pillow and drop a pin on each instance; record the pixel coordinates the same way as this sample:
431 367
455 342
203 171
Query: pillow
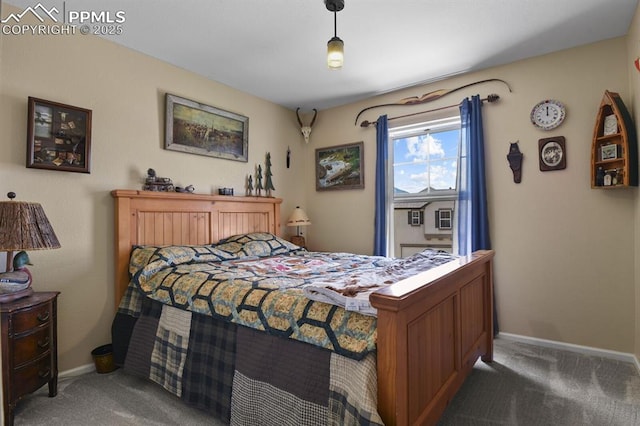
163 256
260 244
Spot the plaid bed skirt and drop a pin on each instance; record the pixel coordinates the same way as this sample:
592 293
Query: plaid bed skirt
241 375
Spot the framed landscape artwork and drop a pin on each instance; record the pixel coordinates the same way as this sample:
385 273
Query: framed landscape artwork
58 136
340 167
205 130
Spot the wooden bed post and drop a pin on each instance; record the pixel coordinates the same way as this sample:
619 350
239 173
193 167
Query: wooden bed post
123 229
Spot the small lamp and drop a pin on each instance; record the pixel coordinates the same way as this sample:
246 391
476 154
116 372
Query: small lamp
298 218
23 226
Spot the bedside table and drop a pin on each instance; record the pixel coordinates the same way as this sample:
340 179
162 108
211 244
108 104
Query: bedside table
29 348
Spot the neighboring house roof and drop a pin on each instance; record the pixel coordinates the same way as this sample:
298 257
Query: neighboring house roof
410 205
417 204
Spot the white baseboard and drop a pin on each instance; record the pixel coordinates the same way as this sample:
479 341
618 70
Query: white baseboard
587 350
83 369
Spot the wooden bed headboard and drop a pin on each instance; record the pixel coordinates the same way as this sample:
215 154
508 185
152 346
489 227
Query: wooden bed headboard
169 218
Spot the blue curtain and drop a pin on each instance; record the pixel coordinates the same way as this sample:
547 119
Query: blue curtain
382 155
472 215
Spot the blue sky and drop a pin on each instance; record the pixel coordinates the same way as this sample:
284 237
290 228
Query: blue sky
426 160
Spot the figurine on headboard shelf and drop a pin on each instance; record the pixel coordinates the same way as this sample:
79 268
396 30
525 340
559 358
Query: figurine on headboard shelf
187 189
155 183
268 186
259 186
249 186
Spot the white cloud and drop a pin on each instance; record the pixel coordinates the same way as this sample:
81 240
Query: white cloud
419 148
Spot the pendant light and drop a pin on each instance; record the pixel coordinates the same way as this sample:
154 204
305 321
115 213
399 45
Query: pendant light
335 46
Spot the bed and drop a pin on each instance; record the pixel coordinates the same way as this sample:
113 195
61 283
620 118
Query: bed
429 330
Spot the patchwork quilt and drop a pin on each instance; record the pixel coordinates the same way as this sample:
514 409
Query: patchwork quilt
317 298
193 320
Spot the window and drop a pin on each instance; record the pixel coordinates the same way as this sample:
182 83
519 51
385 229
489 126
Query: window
422 180
444 218
425 159
416 217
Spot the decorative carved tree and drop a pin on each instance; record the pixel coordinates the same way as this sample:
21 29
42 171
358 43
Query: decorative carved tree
249 185
268 185
259 186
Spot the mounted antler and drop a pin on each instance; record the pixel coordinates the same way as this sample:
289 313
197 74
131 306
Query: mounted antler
306 130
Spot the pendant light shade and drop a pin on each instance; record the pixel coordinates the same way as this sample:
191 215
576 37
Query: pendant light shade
335 53
335 46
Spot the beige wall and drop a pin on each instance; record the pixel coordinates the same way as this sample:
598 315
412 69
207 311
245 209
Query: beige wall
564 266
565 253
126 92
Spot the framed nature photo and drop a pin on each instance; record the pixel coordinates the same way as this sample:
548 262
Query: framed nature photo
205 130
58 136
340 167
609 152
553 155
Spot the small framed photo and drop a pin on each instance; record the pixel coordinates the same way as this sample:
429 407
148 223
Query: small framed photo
610 126
340 167
553 155
58 136
205 130
609 152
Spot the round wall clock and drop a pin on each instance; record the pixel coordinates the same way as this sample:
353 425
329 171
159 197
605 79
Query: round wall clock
552 153
548 114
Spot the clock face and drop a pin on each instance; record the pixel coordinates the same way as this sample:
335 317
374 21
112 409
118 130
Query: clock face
548 114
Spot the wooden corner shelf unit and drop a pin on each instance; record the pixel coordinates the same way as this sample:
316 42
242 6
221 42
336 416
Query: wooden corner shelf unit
614 151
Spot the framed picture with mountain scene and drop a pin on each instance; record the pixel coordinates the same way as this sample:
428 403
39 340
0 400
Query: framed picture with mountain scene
340 167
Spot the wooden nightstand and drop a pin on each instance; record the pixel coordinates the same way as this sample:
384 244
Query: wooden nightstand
29 348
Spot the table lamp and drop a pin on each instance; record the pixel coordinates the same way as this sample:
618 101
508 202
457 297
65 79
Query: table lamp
298 218
23 226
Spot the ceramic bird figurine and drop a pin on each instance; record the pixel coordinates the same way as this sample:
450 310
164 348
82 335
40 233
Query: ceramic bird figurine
18 279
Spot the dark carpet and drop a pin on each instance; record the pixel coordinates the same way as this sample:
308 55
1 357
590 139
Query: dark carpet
533 385
525 385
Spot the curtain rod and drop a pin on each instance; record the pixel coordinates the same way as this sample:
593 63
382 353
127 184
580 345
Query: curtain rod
490 98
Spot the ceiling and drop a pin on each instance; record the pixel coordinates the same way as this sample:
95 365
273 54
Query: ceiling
276 49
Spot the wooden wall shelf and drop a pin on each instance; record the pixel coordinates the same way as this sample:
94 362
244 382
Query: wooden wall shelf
614 151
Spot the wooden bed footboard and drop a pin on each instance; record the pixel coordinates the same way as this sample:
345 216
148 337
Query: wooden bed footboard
431 330
431 327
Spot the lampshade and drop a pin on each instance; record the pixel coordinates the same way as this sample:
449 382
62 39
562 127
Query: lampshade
298 218
24 226
335 53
